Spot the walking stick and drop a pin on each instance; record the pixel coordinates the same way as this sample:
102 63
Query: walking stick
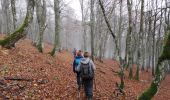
95 83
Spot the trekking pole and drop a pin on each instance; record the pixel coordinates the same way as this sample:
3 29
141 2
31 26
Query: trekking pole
95 83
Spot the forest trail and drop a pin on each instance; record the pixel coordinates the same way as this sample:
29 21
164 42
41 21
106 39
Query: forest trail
49 77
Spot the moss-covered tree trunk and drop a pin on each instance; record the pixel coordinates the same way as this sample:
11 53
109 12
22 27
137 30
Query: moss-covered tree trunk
165 55
10 40
57 27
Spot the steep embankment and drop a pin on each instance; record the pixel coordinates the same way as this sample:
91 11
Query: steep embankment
27 74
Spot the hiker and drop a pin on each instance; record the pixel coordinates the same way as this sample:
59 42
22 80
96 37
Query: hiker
74 52
86 69
75 64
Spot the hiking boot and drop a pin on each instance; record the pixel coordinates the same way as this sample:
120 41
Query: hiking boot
89 98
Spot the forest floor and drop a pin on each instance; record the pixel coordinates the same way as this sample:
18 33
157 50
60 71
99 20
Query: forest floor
27 74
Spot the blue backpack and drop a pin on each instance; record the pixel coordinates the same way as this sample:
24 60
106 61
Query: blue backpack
77 62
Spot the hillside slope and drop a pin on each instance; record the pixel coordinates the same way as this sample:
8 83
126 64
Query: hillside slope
27 74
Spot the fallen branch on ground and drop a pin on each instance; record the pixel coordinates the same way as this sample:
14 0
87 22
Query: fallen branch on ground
16 78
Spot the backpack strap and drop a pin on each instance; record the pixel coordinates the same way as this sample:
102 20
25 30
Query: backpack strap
90 66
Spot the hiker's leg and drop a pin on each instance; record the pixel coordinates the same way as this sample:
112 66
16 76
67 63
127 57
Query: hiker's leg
78 80
89 88
85 87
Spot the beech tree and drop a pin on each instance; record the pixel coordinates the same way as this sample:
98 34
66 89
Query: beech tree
13 7
84 17
41 18
6 16
140 43
129 39
92 27
57 27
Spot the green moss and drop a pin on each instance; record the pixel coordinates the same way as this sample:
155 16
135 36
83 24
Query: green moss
148 94
10 41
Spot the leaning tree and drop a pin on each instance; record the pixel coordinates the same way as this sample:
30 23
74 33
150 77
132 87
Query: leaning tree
10 40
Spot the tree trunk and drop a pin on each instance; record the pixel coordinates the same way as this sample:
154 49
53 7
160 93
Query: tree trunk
10 41
6 16
149 39
158 41
129 38
153 47
83 24
118 39
92 28
108 24
41 18
57 27
106 20
140 43
14 13
169 67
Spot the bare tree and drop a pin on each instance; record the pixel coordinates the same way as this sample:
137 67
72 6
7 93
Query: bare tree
41 18
92 27
129 39
6 16
106 20
13 7
140 43
149 38
57 26
84 30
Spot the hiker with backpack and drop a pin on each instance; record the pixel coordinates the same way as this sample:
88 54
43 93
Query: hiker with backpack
86 69
76 62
